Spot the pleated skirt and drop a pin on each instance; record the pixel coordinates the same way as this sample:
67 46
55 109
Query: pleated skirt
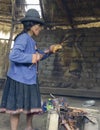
19 97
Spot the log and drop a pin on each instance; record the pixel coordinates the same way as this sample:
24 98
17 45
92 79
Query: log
85 109
92 123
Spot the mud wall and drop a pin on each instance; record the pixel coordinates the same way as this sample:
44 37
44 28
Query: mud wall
54 74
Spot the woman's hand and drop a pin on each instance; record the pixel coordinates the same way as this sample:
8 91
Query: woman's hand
55 47
36 57
39 56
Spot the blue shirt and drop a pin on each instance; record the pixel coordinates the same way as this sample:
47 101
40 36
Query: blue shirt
21 68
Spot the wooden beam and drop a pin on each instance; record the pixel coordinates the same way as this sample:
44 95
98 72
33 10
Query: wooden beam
68 13
3 39
70 92
12 24
41 5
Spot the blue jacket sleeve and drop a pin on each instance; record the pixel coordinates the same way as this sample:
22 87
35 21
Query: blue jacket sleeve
18 52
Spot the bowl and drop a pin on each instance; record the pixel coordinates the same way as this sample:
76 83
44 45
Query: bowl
89 103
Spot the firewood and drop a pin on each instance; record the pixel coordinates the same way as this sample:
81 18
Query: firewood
66 125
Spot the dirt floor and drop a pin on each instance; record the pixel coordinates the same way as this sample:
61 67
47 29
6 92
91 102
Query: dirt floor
39 121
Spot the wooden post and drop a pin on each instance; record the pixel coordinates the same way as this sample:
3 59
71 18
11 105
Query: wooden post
52 121
11 33
12 24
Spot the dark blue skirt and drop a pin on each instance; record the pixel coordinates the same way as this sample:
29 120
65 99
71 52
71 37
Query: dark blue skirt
18 97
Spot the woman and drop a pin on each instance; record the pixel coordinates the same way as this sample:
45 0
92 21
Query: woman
21 92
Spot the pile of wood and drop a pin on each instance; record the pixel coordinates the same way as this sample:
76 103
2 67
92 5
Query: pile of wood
72 119
67 118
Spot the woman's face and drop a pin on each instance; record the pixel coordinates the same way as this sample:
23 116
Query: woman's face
36 29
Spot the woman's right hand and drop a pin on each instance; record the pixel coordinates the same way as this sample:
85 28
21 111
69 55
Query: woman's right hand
55 47
36 57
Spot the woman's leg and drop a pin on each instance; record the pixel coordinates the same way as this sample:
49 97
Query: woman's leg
14 120
29 118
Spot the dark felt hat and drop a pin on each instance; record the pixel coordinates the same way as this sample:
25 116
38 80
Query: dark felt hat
32 15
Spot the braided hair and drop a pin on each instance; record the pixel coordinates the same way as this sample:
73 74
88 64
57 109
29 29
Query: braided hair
27 26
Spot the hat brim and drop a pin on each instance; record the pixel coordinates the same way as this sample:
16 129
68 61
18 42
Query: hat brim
41 21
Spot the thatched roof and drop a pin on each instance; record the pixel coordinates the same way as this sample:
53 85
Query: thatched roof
6 9
55 12
70 12
7 15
